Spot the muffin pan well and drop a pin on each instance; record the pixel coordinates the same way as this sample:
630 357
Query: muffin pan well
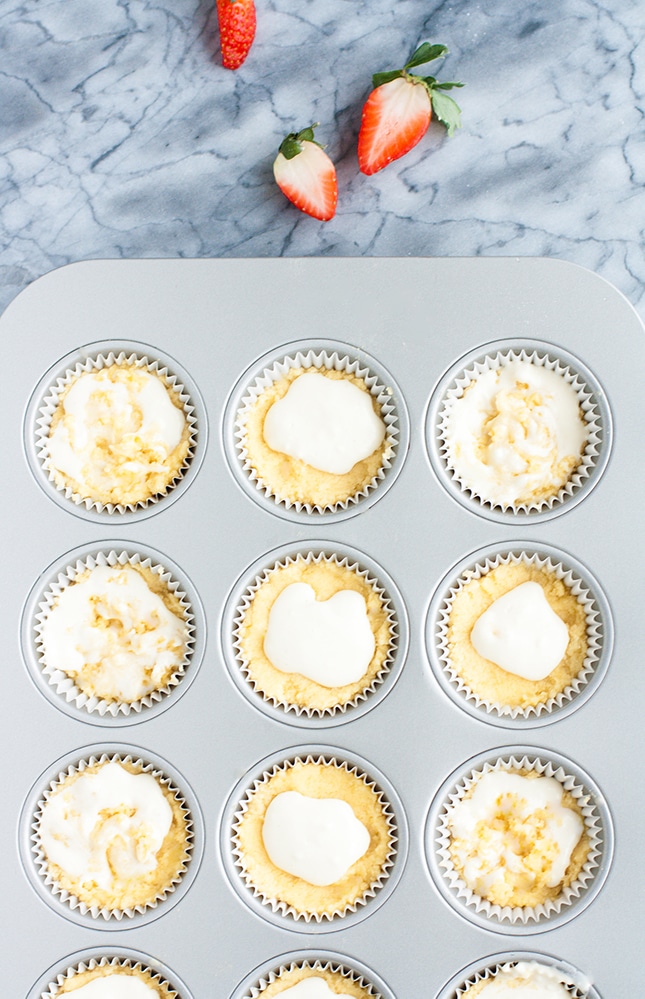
411 323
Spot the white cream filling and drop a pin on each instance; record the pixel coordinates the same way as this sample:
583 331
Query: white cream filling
106 826
521 633
105 422
316 839
526 980
116 986
312 988
328 641
516 430
114 631
329 424
506 817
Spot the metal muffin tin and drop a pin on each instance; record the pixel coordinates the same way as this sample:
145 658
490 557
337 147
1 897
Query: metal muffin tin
211 321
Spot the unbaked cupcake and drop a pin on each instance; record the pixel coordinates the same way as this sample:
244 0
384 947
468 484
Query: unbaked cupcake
112 836
519 430
519 634
312 980
519 843
114 631
521 980
517 838
314 838
116 432
316 431
315 633
111 979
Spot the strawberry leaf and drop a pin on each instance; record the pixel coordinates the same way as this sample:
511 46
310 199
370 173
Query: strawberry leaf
448 86
380 78
425 53
291 145
446 111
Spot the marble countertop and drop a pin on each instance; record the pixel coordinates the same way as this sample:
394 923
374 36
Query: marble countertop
123 136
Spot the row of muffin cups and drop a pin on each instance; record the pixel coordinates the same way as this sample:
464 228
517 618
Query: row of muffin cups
288 970
277 368
332 566
376 801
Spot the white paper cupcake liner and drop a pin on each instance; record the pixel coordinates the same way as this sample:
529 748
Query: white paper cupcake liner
576 984
593 406
312 558
67 898
62 683
579 583
277 910
520 919
97 362
157 979
324 355
319 965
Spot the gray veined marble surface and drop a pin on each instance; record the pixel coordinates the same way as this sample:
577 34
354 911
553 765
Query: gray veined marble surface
122 136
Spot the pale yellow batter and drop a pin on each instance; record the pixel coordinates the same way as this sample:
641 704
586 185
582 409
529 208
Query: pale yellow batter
483 677
74 982
315 780
338 983
123 468
143 889
89 678
528 887
292 479
326 578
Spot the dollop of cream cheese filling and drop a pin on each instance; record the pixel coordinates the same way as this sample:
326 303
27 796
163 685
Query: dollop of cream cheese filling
521 633
329 424
516 824
106 826
328 641
116 986
114 634
526 980
312 988
316 839
114 429
517 431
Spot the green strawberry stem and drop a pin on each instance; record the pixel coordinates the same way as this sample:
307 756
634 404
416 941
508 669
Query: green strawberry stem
291 145
445 109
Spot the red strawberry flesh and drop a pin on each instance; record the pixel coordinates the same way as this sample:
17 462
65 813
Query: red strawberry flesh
395 118
237 22
308 180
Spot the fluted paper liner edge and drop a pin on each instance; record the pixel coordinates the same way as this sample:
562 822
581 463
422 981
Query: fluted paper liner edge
283 908
309 559
157 979
97 362
62 682
589 409
578 588
520 914
327 360
40 858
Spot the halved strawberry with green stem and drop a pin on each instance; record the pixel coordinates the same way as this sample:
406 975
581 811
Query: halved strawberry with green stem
397 113
237 23
306 175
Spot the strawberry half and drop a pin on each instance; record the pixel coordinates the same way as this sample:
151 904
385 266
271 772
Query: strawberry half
305 174
397 113
236 30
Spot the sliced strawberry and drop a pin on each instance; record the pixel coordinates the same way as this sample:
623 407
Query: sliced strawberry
236 29
306 175
397 113
395 117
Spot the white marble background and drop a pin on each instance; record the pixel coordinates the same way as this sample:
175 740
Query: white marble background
122 136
